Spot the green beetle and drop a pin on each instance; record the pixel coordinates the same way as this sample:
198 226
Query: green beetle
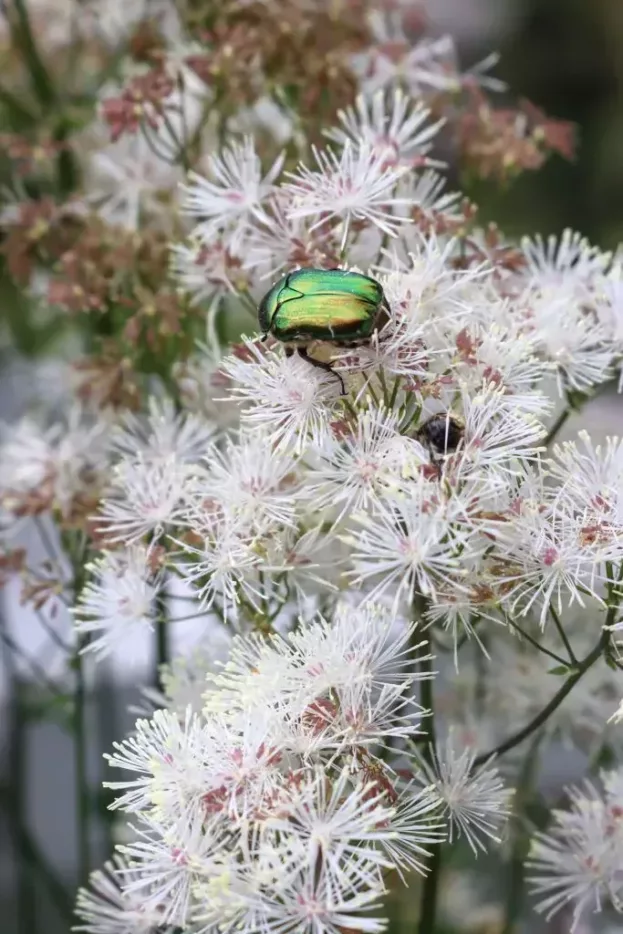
329 305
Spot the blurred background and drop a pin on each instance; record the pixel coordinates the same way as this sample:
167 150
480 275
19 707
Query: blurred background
567 57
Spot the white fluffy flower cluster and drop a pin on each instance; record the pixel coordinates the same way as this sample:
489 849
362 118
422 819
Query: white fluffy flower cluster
323 508
272 808
578 861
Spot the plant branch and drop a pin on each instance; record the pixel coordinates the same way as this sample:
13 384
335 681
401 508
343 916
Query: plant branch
79 726
563 635
34 666
544 715
162 633
520 841
558 424
80 766
430 887
23 36
537 645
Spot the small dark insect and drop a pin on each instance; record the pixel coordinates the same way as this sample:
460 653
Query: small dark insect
442 433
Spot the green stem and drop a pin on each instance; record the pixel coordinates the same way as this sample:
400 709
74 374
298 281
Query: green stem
520 840
558 424
163 653
68 172
383 383
430 888
544 715
23 36
563 635
26 910
537 645
35 667
79 726
80 766
108 730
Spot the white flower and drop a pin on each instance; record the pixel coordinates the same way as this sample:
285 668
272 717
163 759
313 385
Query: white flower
166 754
145 496
232 196
610 310
287 398
27 458
349 470
423 195
497 434
565 287
416 822
165 862
162 433
53 465
475 801
201 381
570 336
424 290
552 557
105 908
578 862
339 686
498 352
221 566
565 262
429 63
119 597
265 115
251 480
270 888
367 719
244 759
427 66
458 608
280 240
357 185
410 541
259 674
206 271
313 903
591 482
184 679
243 883
395 126
335 821
366 644
128 184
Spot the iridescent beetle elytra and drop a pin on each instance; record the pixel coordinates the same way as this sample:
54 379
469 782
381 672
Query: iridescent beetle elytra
329 305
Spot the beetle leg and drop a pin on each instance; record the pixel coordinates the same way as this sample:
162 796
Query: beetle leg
302 351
